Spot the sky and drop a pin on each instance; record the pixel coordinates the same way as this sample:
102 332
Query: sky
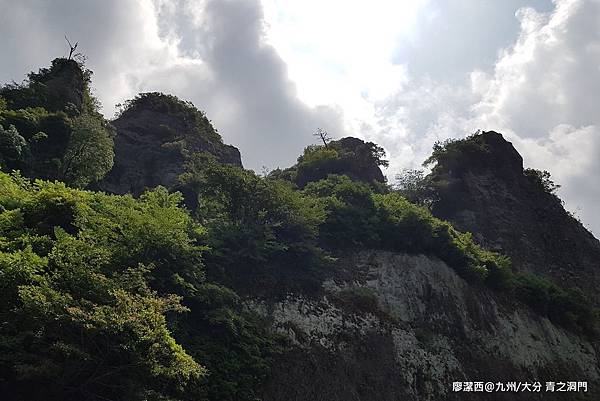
403 74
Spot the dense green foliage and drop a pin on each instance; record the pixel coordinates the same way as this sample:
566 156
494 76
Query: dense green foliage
98 292
79 316
89 153
12 147
351 218
234 345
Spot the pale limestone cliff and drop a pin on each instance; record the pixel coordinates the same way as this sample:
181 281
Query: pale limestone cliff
431 328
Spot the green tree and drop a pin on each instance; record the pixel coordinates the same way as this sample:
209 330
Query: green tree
89 153
414 186
544 180
86 285
13 148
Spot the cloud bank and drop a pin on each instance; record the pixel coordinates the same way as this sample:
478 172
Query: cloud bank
269 72
211 52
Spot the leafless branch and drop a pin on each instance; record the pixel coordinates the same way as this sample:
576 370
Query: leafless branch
323 135
72 49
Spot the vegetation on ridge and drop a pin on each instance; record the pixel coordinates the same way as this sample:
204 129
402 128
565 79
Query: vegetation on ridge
51 128
194 119
348 156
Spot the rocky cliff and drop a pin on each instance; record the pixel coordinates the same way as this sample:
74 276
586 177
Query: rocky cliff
405 327
394 326
483 188
366 166
156 133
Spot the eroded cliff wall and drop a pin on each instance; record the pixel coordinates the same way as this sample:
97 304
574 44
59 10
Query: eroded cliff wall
405 327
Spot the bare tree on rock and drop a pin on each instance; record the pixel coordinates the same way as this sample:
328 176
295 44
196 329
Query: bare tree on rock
323 135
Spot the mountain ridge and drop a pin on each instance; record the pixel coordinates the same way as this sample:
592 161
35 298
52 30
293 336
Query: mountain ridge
178 275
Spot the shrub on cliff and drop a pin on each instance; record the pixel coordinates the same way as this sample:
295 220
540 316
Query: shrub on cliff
357 216
350 214
566 307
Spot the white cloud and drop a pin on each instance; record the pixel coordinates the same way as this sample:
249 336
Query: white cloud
545 91
120 38
341 52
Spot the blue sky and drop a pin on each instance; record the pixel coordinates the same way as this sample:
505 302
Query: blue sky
401 73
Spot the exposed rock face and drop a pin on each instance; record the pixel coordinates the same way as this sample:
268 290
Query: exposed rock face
153 140
65 84
487 192
430 329
365 169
